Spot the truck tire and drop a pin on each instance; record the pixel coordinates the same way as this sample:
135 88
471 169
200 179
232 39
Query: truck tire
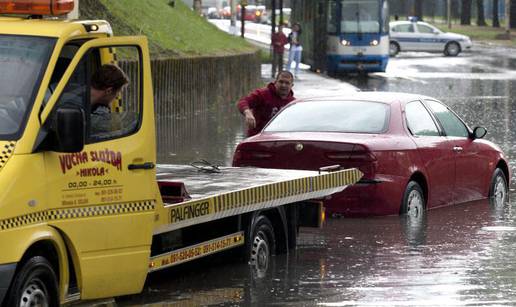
35 284
262 245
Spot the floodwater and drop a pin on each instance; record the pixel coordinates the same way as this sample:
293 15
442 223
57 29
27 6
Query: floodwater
463 255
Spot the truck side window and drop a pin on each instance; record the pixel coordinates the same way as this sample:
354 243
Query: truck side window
107 85
115 89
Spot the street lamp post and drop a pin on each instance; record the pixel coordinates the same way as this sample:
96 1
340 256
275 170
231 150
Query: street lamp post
508 18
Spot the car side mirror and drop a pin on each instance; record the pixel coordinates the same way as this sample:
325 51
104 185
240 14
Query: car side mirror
70 129
479 132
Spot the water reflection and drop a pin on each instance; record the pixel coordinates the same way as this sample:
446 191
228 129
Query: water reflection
457 256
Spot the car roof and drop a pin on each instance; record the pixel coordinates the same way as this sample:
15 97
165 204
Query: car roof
382 97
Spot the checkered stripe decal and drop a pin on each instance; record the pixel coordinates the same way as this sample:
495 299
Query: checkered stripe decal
6 153
74 213
289 188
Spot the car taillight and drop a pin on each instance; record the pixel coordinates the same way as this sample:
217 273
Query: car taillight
351 156
36 7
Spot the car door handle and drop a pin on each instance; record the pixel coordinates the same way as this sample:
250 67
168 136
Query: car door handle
457 148
146 165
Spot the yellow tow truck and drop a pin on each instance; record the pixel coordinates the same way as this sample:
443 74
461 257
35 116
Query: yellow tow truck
87 214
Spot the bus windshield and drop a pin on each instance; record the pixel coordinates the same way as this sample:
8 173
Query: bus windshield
23 60
360 16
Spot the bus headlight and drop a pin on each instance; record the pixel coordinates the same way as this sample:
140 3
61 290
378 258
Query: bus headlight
374 42
345 43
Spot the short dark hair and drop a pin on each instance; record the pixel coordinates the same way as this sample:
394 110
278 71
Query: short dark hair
109 75
285 73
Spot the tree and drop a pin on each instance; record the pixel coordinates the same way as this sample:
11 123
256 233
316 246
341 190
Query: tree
496 20
481 20
465 15
418 9
513 14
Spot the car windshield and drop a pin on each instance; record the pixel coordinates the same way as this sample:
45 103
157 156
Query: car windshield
23 60
360 16
332 116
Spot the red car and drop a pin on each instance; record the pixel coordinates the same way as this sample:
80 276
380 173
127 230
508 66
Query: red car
415 152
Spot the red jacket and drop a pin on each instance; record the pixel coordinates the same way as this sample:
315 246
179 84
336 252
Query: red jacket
279 40
264 103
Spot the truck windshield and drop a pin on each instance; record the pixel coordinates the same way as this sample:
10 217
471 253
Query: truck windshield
23 60
360 16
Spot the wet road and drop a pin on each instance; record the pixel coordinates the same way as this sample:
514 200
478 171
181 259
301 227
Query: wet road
464 255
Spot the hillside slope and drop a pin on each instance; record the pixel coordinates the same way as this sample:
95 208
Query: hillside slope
172 31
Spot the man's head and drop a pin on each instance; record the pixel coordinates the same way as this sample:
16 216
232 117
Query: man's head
284 82
106 84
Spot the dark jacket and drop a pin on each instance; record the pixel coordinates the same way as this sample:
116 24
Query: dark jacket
264 103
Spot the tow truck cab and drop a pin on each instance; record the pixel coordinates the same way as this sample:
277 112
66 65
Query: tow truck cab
54 171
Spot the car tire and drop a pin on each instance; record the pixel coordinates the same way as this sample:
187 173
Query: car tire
452 49
35 284
413 203
262 245
498 188
394 49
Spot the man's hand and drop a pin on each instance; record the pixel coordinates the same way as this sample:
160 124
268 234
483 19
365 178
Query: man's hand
249 118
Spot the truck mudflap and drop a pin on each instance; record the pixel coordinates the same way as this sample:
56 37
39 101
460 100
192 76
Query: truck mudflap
6 276
234 190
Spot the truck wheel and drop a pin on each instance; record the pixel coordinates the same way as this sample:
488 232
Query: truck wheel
34 285
262 245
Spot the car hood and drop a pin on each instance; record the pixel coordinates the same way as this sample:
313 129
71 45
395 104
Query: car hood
456 36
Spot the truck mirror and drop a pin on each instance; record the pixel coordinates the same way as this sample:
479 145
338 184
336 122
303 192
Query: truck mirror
70 129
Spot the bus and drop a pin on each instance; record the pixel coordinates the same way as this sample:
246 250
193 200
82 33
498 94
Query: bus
344 35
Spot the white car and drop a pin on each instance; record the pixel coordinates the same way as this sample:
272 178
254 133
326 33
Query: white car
421 36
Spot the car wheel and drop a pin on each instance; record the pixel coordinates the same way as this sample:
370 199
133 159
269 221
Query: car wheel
262 246
452 49
394 49
498 188
34 285
413 204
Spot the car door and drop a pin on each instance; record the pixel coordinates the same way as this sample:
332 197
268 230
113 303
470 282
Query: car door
105 194
429 38
436 158
405 36
471 165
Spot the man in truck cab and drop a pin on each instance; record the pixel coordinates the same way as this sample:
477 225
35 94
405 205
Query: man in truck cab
106 84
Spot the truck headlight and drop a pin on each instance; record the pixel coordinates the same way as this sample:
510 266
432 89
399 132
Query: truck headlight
374 42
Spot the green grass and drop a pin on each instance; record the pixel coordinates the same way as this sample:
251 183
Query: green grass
172 31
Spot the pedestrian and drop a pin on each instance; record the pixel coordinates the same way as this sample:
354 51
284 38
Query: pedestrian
294 39
263 103
278 41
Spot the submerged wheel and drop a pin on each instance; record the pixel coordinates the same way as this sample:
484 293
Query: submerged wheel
498 188
452 49
34 285
394 49
413 204
262 245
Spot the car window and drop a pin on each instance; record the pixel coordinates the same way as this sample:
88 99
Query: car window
403 28
451 124
332 116
419 121
425 29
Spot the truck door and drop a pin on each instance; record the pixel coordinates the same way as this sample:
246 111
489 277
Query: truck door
104 195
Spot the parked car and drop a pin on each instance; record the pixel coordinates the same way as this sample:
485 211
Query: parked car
422 36
414 151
